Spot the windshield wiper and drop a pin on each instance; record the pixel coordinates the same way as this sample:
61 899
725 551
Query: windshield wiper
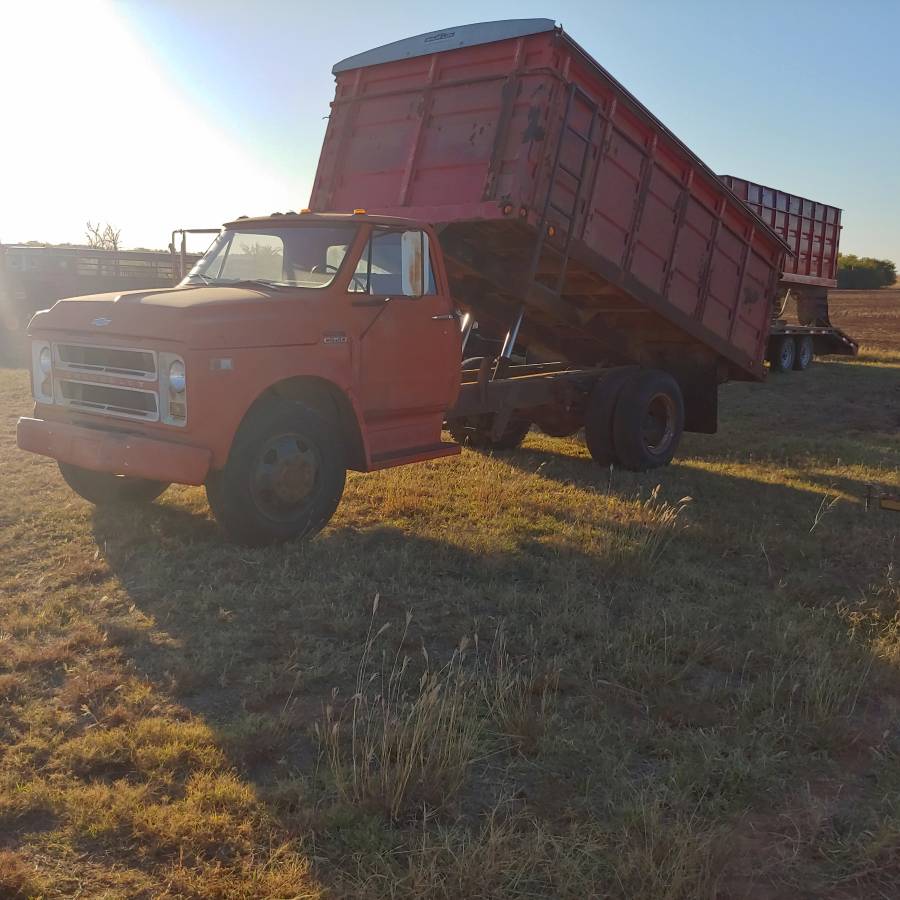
229 282
277 285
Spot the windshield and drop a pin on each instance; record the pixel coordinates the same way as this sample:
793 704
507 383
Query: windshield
305 256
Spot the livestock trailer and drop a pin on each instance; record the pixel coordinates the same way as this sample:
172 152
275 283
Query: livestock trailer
33 277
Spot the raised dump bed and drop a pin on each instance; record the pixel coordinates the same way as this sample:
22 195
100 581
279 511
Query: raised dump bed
571 219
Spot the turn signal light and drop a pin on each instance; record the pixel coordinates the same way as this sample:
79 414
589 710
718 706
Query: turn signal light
359 212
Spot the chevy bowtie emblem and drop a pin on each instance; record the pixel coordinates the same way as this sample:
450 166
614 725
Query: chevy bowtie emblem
100 321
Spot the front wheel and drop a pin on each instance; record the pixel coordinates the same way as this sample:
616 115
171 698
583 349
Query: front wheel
284 477
106 489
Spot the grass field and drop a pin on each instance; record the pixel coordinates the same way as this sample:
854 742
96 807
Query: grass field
517 676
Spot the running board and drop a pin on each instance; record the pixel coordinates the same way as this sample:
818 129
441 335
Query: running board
412 455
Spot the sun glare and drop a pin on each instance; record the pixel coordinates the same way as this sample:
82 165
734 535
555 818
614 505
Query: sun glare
95 129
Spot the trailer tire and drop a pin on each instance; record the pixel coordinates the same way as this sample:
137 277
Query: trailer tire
782 353
284 476
598 417
805 353
648 421
106 489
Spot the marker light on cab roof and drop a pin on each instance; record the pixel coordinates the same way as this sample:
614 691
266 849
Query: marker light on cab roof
359 212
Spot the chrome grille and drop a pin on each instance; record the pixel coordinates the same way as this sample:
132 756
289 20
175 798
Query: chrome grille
111 400
120 361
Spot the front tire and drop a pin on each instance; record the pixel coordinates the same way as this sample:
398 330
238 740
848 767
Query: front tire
106 489
648 421
284 477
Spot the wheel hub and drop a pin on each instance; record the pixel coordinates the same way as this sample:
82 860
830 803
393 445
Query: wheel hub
285 474
659 423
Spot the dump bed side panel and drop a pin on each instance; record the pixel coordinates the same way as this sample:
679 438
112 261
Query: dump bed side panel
812 230
430 136
502 141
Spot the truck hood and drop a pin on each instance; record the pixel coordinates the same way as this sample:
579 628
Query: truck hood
199 316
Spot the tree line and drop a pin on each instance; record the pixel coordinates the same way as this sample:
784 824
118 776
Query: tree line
864 272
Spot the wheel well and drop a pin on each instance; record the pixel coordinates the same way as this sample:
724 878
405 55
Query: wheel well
327 399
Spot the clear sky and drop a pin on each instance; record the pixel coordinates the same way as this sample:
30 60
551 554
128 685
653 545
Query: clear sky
167 113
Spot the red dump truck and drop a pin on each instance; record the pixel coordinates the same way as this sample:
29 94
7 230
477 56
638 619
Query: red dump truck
492 173
801 328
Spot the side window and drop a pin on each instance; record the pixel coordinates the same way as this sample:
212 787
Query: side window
381 267
378 270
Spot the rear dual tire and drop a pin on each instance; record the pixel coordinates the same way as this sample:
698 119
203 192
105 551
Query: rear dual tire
635 419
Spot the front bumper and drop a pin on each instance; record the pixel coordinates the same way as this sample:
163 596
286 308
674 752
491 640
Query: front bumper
114 452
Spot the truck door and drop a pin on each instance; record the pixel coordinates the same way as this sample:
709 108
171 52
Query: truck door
407 335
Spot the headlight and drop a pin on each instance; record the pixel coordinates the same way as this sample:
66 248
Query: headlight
41 372
177 381
172 389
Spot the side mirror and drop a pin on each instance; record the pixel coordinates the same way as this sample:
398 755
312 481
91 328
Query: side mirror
415 263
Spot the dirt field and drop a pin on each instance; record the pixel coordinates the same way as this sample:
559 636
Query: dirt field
517 676
871 317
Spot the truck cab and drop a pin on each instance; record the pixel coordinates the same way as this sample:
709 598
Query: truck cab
298 346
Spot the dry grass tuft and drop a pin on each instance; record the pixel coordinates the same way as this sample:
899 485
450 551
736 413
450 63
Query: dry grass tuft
515 856
402 739
152 747
18 879
649 529
519 697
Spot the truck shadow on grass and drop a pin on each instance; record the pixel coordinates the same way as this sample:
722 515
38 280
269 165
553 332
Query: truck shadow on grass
706 672
255 642
714 670
774 441
728 487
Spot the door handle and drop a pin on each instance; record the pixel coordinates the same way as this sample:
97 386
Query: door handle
446 317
